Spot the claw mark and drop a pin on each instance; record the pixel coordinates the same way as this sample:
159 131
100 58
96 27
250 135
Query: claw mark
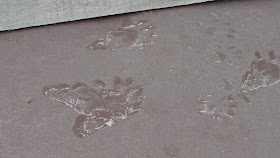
99 107
278 90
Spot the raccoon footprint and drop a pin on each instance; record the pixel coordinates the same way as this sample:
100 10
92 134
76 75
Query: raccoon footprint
130 34
263 73
100 106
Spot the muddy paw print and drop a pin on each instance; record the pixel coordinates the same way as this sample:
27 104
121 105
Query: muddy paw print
224 40
131 34
124 94
263 73
80 97
218 109
100 106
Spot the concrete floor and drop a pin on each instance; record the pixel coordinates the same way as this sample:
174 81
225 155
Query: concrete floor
206 85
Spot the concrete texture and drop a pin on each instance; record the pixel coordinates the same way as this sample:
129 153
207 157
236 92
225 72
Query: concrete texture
15 14
200 80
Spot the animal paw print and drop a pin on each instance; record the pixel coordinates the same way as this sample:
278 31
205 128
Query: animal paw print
263 73
224 107
100 106
131 34
224 49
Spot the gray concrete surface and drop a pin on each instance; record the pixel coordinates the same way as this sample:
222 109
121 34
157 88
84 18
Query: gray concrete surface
15 14
205 83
